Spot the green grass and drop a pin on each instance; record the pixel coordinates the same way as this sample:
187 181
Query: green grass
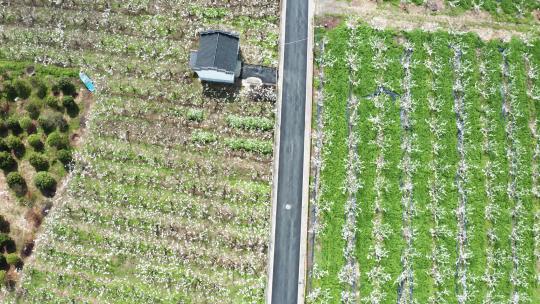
488 137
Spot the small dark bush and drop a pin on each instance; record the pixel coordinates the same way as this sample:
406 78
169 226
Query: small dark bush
42 89
65 157
3 145
10 91
4 225
35 142
55 89
17 183
66 86
45 183
39 162
7 163
3 127
16 145
71 106
4 266
57 140
68 101
23 88
13 124
6 245
46 123
33 110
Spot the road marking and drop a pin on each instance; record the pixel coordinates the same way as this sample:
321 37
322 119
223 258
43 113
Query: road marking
288 206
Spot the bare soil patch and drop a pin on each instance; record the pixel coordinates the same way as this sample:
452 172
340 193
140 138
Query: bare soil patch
429 17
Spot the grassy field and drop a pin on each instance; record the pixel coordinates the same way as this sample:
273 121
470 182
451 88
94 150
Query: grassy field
426 168
169 197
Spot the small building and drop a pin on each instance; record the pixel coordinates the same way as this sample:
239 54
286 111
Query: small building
217 59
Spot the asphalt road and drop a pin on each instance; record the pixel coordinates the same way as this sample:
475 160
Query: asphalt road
291 155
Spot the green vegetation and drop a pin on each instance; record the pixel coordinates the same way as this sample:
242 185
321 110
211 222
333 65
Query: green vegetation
16 182
203 137
196 115
155 180
45 183
28 112
250 122
430 149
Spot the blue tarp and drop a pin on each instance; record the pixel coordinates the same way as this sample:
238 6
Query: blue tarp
87 82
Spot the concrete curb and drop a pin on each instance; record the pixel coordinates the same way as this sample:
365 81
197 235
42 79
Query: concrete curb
307 158
275 167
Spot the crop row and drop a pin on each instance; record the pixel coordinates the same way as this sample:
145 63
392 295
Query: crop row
444 211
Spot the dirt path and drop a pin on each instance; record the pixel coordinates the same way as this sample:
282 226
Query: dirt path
421 17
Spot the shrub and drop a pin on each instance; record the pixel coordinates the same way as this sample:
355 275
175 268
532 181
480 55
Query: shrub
16 145
52 121
33 109
55 89
10 91
13 124
59 121
3 127
3 264
13 259
6 245
27 124
7 162
66 86
35 142
3 145
52 102
46 123
4 225
39 162
71 106
45 183
23 88
68 102
64 156
57 140
195 115
16 182
42 89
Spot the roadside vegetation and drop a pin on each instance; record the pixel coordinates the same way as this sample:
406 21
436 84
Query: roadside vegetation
169 196
428 168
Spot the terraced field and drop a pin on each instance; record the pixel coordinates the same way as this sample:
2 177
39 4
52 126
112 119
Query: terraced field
169 198
425 175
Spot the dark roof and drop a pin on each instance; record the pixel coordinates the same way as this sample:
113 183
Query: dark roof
267 75
218 50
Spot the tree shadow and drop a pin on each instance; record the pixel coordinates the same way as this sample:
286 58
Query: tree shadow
221 91
20 151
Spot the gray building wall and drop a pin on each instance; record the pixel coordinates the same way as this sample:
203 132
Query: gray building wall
215 76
